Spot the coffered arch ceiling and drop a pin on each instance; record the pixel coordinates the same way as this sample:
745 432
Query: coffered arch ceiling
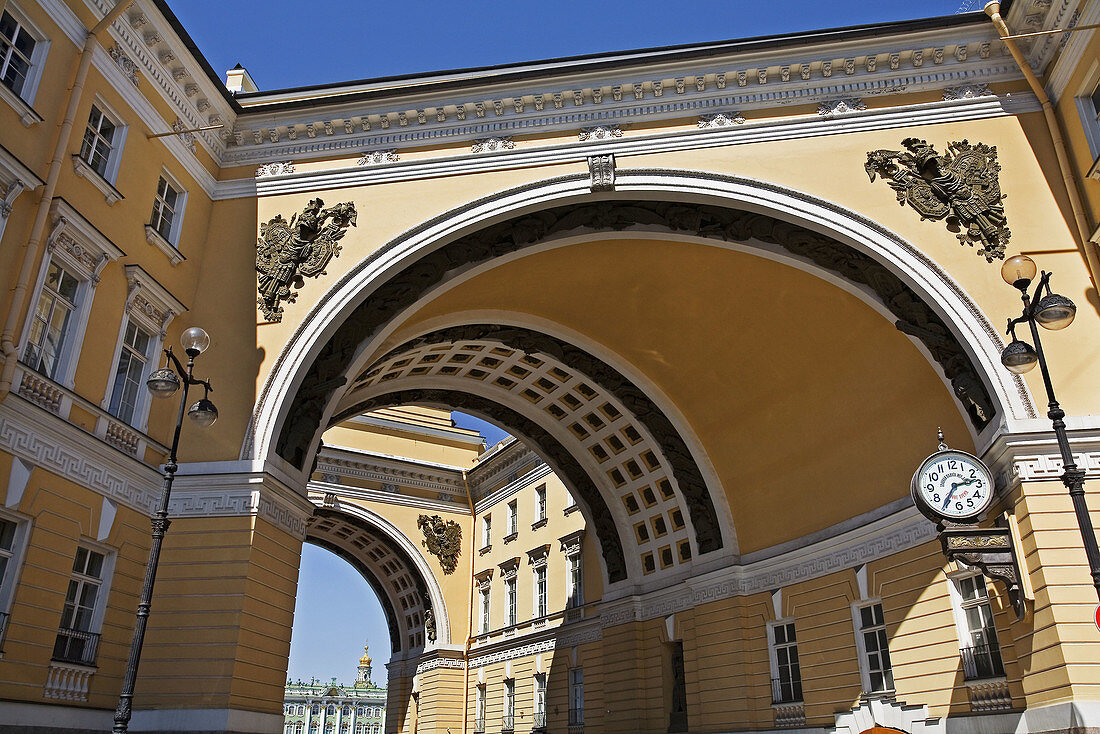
402 588
808 375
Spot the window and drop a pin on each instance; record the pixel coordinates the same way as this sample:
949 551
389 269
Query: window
484 603
76 639
486 531
331 710
873 649
575 581
576 696
99 141
786 676
513 517
128 389
168 210
540 503
981 653
479 713
509 706
510 600
540 591
11 541
540 701
52 321
16 54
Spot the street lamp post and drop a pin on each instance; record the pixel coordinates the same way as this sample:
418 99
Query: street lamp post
1051 311
164 383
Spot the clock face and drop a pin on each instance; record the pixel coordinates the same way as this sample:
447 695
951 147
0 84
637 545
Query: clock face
952 485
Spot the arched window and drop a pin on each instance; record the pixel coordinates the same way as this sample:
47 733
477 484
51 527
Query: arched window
359 711
331 711
298 728
301 709
347 710
316 708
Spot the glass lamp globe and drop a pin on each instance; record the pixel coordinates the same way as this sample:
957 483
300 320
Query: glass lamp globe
1018 269
1019 357
195 341
203 413
1055 312
163 383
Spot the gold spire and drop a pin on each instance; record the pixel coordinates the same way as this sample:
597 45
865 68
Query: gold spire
365 660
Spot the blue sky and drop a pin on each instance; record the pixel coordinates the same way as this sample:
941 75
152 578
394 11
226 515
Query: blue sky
285 44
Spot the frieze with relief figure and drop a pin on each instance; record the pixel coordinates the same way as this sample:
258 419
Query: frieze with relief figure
288 252
960 187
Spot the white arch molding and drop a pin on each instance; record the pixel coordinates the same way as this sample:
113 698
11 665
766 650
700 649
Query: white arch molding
939 291
396 536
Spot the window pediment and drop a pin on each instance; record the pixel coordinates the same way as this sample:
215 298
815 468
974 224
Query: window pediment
78 243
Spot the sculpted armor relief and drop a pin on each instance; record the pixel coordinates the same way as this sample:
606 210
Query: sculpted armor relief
287 252
960 187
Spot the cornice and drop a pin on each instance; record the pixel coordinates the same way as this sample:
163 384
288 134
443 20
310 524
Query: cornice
387 498
1073 51
530 111
538 472
779 129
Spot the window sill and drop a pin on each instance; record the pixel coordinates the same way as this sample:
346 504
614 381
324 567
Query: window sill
110 193
510 537
484 549
26 113
156 239
571 509
539 524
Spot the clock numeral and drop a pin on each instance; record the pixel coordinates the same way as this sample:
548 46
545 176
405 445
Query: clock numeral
935 497
952 464
970 502
958 505
978 483
935 477
973 473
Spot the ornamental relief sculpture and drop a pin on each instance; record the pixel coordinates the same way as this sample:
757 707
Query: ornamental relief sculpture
443 539
959 187
287 252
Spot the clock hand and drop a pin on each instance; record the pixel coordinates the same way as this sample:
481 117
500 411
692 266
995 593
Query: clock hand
947 501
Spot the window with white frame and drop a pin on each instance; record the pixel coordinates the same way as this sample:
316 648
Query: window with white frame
540 591
127 391
99 138
978 645
168 207
511 601
82 615
873 648
786 673
540 503
22 54
54 329
576 696
540 701
509 722
513 517
574 581
52 321
486 531
483 596
12 535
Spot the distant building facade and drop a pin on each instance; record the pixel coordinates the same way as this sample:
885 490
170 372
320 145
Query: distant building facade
320 707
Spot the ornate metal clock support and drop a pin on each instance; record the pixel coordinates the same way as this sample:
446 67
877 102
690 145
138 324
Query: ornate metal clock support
989 549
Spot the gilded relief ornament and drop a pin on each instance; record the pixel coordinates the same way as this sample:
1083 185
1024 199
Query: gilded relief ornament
443 539
959 187
287 252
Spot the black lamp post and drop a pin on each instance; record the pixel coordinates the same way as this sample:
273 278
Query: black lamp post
1051 311
164 383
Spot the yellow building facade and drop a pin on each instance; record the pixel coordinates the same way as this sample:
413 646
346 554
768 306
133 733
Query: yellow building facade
680 277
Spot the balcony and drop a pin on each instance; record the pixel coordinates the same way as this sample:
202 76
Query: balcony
540 722
981 662
508 723
76 646
786 691
479 725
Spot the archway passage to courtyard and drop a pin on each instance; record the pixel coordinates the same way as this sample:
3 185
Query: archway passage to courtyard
665 354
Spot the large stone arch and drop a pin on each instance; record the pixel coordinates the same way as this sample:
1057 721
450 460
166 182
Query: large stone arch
342 336
391 563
